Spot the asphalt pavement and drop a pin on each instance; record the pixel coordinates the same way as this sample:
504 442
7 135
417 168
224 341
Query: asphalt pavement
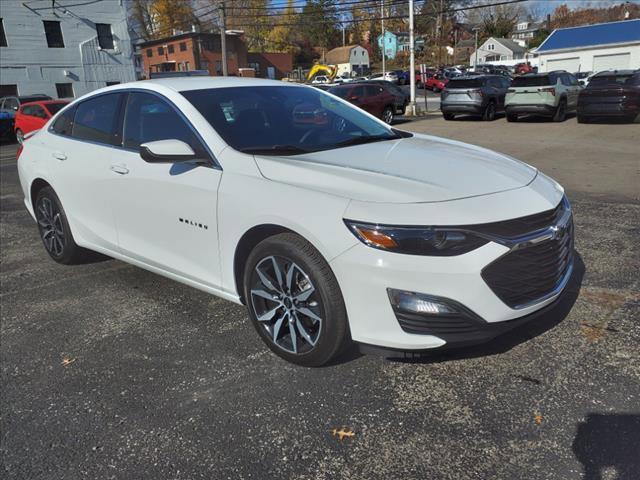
112 372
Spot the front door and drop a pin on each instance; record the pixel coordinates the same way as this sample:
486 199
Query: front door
166 214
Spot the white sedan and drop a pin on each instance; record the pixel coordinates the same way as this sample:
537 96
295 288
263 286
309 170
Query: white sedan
329 225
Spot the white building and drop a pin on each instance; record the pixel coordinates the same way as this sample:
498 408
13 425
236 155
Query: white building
497 49
350 60
64 48
604 46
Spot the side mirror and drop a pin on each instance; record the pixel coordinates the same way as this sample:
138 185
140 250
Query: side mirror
166 151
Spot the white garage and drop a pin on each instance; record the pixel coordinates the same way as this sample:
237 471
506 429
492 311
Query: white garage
604 46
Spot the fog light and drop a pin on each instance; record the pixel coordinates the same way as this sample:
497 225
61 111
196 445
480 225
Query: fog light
419 303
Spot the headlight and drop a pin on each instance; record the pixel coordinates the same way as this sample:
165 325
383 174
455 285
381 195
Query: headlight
431 241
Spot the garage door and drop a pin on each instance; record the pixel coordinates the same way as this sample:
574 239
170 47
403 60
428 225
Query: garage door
569 64
617 61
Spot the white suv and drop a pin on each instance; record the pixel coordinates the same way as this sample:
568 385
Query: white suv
327 223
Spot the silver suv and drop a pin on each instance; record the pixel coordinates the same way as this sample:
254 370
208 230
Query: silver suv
551 94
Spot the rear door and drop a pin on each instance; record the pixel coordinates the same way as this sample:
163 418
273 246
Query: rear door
377 99
166 214
82 146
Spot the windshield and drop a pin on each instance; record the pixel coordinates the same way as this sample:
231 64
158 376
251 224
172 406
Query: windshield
533 81
284 120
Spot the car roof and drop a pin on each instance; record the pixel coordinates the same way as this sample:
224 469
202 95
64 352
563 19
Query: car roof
607 73
181 84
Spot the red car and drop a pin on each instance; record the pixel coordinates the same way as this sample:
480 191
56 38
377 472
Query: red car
33 115
371 98
436 82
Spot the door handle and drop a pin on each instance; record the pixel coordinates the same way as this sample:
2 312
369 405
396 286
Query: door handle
59 155
121 169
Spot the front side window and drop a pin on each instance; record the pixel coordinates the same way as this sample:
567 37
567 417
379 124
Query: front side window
149 52
53 32
64 123
105 37
96 119
282 120
36 111
149 118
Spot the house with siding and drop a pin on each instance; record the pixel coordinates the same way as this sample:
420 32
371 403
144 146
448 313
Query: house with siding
64 48
496 50
349 60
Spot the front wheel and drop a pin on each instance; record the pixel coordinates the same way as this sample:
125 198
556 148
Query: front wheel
561 112
489 112
387 115
294 301
448 116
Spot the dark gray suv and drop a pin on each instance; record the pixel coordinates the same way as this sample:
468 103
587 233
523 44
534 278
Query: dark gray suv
475 95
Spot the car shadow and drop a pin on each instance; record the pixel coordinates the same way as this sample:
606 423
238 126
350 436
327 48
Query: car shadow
608 443
517 336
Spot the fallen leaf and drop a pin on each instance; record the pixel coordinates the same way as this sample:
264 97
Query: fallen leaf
537 418
66 361
343 433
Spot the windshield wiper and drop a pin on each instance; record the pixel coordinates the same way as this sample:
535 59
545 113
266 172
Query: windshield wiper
366 139
275 150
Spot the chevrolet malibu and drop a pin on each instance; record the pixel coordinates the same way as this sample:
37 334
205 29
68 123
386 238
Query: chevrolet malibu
329 225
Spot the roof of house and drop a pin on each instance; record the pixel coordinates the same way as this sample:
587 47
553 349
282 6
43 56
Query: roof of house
339 55
511 45
624 31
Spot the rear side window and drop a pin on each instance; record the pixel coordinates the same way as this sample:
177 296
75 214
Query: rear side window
64 123
149 118
533 81
96 119
465 83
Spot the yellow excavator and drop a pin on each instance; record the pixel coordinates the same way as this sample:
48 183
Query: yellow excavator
330 71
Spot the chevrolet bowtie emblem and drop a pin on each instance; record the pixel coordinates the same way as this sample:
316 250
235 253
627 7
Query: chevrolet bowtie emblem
557 231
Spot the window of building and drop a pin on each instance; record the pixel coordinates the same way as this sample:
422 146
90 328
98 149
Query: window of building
149 118
64 124
53 32
112 83
183 46
64 90
186 66
105 37
8 91
491 46
160 50
255 66
170 48
149 52
3 38
96 119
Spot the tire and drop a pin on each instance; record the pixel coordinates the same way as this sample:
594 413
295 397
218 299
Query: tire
19 136
317 318
489 113
512 117
387 115
54 229
448 116
583 119
561 112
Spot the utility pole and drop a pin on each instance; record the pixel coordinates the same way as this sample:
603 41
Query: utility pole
223 39
383 39
412 63
475 63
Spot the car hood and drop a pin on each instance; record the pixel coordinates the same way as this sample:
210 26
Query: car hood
416 169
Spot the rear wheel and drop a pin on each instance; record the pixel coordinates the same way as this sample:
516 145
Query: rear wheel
512 117
448 116
583 119
489 112
561 112
387 115
294 300
19 136
54 228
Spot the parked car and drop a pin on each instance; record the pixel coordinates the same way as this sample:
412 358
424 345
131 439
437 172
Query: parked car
428 72
388 76
611 94
34 115
320 79
403 77
9 106
331 231
552 94
523 68
478 95
583 77
400 95
436 82
370 97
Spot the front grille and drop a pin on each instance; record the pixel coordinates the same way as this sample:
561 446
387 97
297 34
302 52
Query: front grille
527 274
523 225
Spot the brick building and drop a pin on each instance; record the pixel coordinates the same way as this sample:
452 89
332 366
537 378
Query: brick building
202 51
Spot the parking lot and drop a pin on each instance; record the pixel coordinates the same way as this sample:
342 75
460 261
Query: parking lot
109 371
